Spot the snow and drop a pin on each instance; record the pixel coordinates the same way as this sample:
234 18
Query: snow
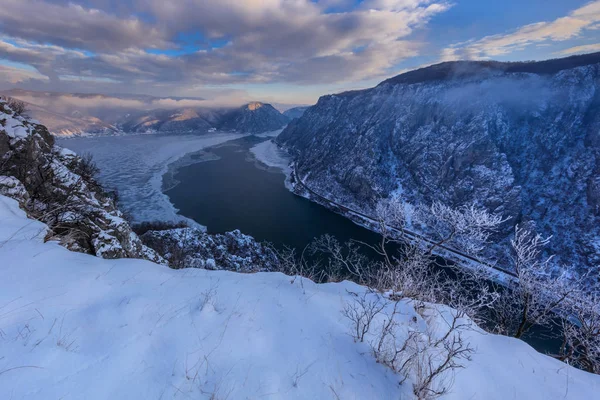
135 165
14 126
66 152
74 326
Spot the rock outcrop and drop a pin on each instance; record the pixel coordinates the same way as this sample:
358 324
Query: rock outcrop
192 248
57 187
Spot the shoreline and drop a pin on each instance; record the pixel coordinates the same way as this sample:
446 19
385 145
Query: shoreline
144 160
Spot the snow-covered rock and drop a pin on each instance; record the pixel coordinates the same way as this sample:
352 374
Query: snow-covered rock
12 187
520 139
193 248
77 326
57 187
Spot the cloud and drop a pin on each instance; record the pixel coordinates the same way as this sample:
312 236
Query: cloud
561 29
13 76
66 103
588 48
213 43
73 26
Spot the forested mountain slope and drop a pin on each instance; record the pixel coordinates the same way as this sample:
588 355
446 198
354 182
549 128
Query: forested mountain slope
520 139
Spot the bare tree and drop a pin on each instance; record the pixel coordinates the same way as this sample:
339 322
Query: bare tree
467 228
581 333
342 259
534 297
411 271
299 266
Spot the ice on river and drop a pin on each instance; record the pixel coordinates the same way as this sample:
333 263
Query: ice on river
269 154
135 165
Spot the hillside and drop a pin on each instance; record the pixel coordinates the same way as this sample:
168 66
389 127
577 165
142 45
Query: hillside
82 313
520 139
76 325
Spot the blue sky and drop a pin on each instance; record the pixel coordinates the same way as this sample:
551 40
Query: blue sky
286 51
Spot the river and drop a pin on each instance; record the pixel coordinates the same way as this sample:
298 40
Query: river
234 191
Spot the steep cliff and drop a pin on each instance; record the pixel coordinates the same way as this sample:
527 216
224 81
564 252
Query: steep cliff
521 139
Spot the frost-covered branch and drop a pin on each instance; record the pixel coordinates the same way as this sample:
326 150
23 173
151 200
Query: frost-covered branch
467 228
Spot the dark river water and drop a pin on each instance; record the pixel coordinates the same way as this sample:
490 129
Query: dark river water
236 192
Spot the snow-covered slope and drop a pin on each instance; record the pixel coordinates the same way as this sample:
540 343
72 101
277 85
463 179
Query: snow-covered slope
75 326
521 139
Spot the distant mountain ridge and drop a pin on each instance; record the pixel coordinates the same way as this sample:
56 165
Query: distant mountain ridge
295 112
254 117
67 114
520 139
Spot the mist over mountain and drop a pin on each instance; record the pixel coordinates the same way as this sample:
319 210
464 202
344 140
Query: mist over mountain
520 139
295 112
75 114
254 117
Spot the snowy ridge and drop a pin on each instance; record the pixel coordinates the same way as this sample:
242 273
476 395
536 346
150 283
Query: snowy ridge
77 326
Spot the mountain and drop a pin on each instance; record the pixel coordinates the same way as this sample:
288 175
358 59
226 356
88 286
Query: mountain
295 112
254 117
76 114
251 118
520 139
167 121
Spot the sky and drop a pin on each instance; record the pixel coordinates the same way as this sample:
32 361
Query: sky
283 51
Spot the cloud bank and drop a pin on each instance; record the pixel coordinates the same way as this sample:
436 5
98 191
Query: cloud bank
185 42
576 23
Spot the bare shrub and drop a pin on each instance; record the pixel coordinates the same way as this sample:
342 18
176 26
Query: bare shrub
581 335
87 167
361 313
427 357
432 363
19 107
